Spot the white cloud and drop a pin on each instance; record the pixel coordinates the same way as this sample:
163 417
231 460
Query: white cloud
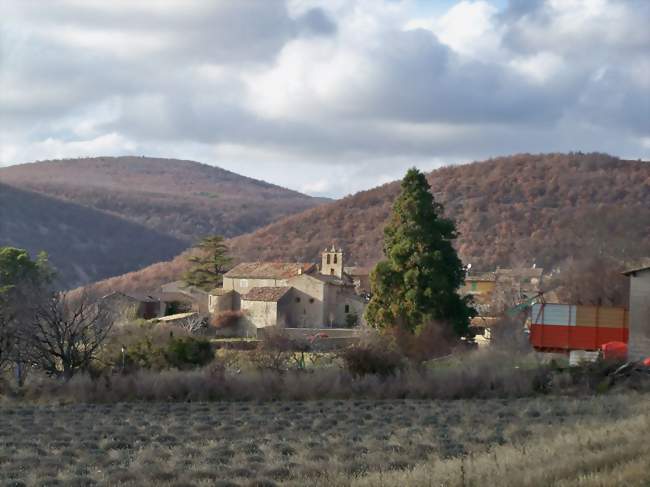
540 67
323 96
469 28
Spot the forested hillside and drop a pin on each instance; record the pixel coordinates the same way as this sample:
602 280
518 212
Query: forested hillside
183 199
516 210
84 245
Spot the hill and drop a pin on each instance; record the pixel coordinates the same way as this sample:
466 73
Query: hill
183 199
85 245
516 210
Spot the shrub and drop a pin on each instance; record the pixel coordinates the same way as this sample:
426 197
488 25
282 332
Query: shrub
430 341
154 347
188 352
227 319
278 352
377 356
351 320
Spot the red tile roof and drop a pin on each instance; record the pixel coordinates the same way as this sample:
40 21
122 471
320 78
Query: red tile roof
270 270
265 294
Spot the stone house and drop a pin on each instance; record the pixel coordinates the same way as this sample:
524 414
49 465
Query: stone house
177 297
639 321
131 306
291 295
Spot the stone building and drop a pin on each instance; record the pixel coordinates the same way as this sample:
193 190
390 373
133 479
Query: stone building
291 295
639 337
123 307
178 297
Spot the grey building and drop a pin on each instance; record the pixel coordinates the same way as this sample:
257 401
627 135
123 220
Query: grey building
291 295
639 342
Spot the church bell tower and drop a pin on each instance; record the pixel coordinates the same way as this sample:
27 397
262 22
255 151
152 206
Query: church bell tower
332 264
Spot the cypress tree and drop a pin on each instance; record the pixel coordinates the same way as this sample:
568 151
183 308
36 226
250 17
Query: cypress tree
419 278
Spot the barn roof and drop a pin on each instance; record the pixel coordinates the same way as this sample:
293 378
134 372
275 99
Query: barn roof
270 270
270 294
633 271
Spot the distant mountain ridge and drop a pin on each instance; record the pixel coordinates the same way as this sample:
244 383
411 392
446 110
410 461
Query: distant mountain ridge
516 210
83 244
183 199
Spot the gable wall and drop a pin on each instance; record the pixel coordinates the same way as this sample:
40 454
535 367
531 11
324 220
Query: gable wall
639 342
301 311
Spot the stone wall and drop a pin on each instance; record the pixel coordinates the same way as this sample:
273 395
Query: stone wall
259 314
639 344
306 306
220 303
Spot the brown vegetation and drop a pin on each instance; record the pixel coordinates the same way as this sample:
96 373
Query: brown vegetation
226 319
520 442
182 199
510 211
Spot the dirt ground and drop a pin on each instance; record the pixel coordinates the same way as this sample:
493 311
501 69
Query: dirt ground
329 442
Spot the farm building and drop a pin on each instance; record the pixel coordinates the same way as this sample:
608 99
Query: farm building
123 306
639 337
178 297
291 295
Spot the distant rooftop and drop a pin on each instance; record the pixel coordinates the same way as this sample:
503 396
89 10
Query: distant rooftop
634 270
270 270
482 276
270 294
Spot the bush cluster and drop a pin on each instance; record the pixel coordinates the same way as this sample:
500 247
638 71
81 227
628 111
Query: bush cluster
148 346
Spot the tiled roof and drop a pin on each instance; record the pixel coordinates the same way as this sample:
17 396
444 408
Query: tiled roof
347 280
265 293
219 291
358 271
270 270
144 298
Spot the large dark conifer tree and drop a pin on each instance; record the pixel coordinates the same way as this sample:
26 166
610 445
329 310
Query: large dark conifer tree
418 281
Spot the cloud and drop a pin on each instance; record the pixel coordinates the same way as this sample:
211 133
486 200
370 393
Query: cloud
323 96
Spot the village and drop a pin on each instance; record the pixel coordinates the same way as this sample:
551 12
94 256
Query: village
330 298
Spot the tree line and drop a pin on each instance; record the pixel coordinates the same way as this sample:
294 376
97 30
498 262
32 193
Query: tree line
41 327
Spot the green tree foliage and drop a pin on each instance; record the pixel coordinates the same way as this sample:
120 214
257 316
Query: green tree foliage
17 269
207 268
23 281
418 281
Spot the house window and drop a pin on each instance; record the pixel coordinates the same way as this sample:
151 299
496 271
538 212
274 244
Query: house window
298 299
474 286
336 258
311 300
347 308
328 258
332 271
243 283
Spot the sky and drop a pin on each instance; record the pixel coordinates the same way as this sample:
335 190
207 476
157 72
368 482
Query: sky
327 97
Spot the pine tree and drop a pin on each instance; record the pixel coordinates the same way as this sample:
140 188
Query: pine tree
209 266
418 281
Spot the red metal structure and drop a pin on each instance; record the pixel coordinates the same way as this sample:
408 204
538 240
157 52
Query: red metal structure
614 351
565 327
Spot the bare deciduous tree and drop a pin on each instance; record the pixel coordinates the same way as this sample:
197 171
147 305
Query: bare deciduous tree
64 336
194 324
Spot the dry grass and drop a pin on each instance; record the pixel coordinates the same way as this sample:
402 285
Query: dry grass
536 441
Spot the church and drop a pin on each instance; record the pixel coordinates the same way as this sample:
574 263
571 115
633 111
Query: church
291 295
